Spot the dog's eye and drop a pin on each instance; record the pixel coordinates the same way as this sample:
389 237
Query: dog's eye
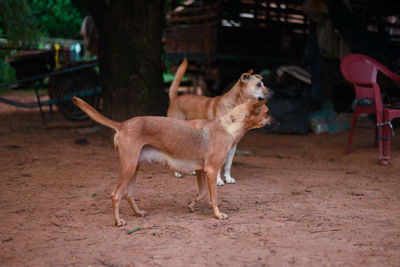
259 84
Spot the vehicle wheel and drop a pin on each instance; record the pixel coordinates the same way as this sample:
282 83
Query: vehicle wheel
85 89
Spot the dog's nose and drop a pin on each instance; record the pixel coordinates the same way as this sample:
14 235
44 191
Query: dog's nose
274 124
269 94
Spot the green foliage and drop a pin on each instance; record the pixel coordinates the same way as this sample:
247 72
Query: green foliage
58 18
16 21
7 73
30 19
25 21
16 24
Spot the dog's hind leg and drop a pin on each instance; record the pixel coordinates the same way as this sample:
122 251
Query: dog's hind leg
129 163
129 196
227 168
201 182
177 114
179 175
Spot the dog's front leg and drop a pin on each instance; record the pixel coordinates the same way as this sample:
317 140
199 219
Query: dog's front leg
219 179
201 182
211 175
227 168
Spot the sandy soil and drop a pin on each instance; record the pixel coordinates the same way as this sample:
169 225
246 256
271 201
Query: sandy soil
298 201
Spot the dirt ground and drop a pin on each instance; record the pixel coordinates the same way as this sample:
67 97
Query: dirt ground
298 201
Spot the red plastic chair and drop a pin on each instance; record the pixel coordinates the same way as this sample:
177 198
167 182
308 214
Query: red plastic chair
362 72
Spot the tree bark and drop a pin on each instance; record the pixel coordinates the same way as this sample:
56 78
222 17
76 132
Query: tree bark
130 48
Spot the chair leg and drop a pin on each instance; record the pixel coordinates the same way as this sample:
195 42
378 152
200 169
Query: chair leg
385 152
351 133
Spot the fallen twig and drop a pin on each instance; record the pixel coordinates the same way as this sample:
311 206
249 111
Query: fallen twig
108 264
322 231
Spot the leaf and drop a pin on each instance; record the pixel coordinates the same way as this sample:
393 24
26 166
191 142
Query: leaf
133 230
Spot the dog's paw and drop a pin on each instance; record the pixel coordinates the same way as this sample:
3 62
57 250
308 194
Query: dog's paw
220 182
221 216
229 180
178 175
142 213
120 223
191 206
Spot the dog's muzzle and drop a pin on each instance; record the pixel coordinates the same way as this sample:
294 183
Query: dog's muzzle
273 123
267 96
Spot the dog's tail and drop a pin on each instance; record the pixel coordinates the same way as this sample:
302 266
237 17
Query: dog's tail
173 90
94 114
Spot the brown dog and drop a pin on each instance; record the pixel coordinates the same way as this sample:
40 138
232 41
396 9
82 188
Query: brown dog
190 107
200 145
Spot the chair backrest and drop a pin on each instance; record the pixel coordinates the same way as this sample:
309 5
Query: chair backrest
358 69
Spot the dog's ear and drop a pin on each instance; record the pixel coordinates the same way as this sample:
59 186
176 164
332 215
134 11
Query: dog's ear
258 76
264 109
246 76
260 107
260 103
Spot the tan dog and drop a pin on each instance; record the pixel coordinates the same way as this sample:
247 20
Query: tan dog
190 107
200 145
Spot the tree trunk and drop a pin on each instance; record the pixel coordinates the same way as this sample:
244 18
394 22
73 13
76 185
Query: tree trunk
130 33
